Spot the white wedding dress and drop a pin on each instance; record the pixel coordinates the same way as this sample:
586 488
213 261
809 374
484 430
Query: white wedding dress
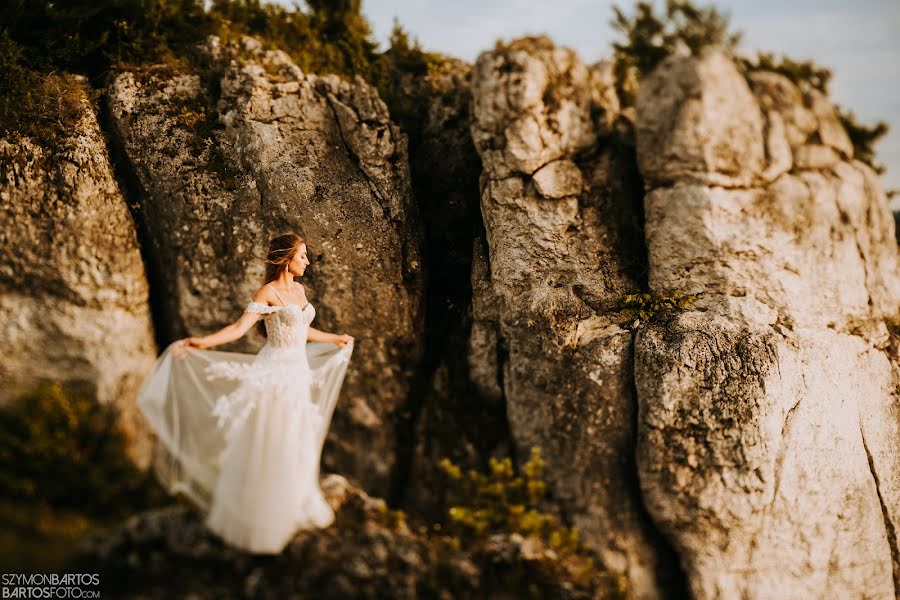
241 434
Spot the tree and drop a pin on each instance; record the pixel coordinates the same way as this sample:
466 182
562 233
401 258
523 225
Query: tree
650 38
805 74
864 138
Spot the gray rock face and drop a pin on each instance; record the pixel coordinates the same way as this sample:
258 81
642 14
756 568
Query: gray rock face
73 293
286 151
769 422
555 199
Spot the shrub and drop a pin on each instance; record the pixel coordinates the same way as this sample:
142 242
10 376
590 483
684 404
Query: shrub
502 502
60 448
85 36
331 37
650 38
863 138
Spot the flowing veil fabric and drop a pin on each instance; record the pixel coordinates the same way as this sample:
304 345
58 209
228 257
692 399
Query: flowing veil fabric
241 434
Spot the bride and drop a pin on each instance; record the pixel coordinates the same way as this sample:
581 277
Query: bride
241 434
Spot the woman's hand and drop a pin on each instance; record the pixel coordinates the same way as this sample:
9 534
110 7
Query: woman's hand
194 342
343 339
182 347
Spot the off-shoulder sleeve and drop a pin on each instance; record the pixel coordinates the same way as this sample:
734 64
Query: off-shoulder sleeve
261 308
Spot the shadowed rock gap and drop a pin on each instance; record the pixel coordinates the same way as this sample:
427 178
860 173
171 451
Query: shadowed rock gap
888 524
164 321
444 416
672 579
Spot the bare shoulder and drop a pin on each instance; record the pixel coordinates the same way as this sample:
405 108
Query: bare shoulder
263 294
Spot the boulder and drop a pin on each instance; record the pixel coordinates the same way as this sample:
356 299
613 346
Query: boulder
699 121
769 420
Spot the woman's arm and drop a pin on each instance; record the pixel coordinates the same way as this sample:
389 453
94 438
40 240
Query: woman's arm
316 335
234 331
229 333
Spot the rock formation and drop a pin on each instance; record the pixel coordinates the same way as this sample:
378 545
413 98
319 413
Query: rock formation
369 552
747 447
769 422
74 294
557 259
450 416
277 150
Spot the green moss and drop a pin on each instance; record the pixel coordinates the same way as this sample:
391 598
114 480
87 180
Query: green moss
651 306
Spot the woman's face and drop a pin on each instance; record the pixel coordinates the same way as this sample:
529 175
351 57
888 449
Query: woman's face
298 264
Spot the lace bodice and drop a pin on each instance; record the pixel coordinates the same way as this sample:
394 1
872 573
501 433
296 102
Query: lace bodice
286 326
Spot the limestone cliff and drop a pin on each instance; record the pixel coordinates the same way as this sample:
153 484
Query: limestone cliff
272 149
557 198
747 447
73 292
769 422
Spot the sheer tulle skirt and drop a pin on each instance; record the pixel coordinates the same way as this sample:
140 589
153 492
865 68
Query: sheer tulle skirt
241 435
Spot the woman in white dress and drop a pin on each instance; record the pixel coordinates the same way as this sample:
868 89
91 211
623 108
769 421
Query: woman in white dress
241 434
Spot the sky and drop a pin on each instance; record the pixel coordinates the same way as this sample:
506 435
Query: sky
859 41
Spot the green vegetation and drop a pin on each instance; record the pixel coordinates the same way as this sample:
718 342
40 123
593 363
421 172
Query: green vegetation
482 505
863 138
650 38
64 470
650 306
332 36
493 539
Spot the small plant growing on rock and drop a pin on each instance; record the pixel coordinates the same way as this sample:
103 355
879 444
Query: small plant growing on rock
486 510
649 306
